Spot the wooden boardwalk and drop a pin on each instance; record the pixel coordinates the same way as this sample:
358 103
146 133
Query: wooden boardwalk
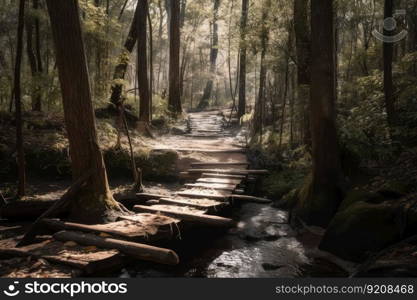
209 189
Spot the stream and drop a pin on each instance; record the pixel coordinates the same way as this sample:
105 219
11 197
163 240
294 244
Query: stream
263 245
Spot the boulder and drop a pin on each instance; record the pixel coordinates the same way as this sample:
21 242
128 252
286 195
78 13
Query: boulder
363 228
399 260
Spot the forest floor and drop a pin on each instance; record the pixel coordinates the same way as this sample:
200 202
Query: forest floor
262 245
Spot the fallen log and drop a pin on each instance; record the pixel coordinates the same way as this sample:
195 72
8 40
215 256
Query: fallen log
207 220
128 230
58 206
135 250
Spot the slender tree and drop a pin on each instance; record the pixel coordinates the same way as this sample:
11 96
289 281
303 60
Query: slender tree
322 193
18 103
388 53
174 100
35 63
142 66
303 52
264 37
121 67
242 60
95 203
214 52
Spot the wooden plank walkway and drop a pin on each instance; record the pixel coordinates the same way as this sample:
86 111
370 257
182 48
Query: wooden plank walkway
212 187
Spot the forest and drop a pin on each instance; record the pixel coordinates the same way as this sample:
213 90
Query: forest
215 138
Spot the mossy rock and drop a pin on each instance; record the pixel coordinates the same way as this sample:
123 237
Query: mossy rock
355 196
288 201
279 184
395 189
317 205
361 229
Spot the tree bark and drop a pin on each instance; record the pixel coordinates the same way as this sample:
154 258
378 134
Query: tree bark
142 67
121 68
35 64
259 105
322 193
388 52
95 203
214 52
242 60
18 105
303 50
174 100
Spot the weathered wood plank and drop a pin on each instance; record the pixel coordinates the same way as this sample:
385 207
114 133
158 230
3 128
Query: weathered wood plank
229 171
88 260
214 175
207 220
135 231
220 164
212 186
228 181
204 204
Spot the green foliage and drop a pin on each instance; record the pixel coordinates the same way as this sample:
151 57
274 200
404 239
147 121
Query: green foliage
363 127
278 184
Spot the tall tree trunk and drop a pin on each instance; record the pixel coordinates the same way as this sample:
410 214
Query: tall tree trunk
322 193
121 68
95 203
32 24
174 97
242 60
18 104
214 51
303 50
259 105
142 66
388 52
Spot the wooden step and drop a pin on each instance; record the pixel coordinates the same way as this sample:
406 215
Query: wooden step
198 218
211 151
227 181
212 186
225 176
203 204
205 193
231 197
219 164
229 171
